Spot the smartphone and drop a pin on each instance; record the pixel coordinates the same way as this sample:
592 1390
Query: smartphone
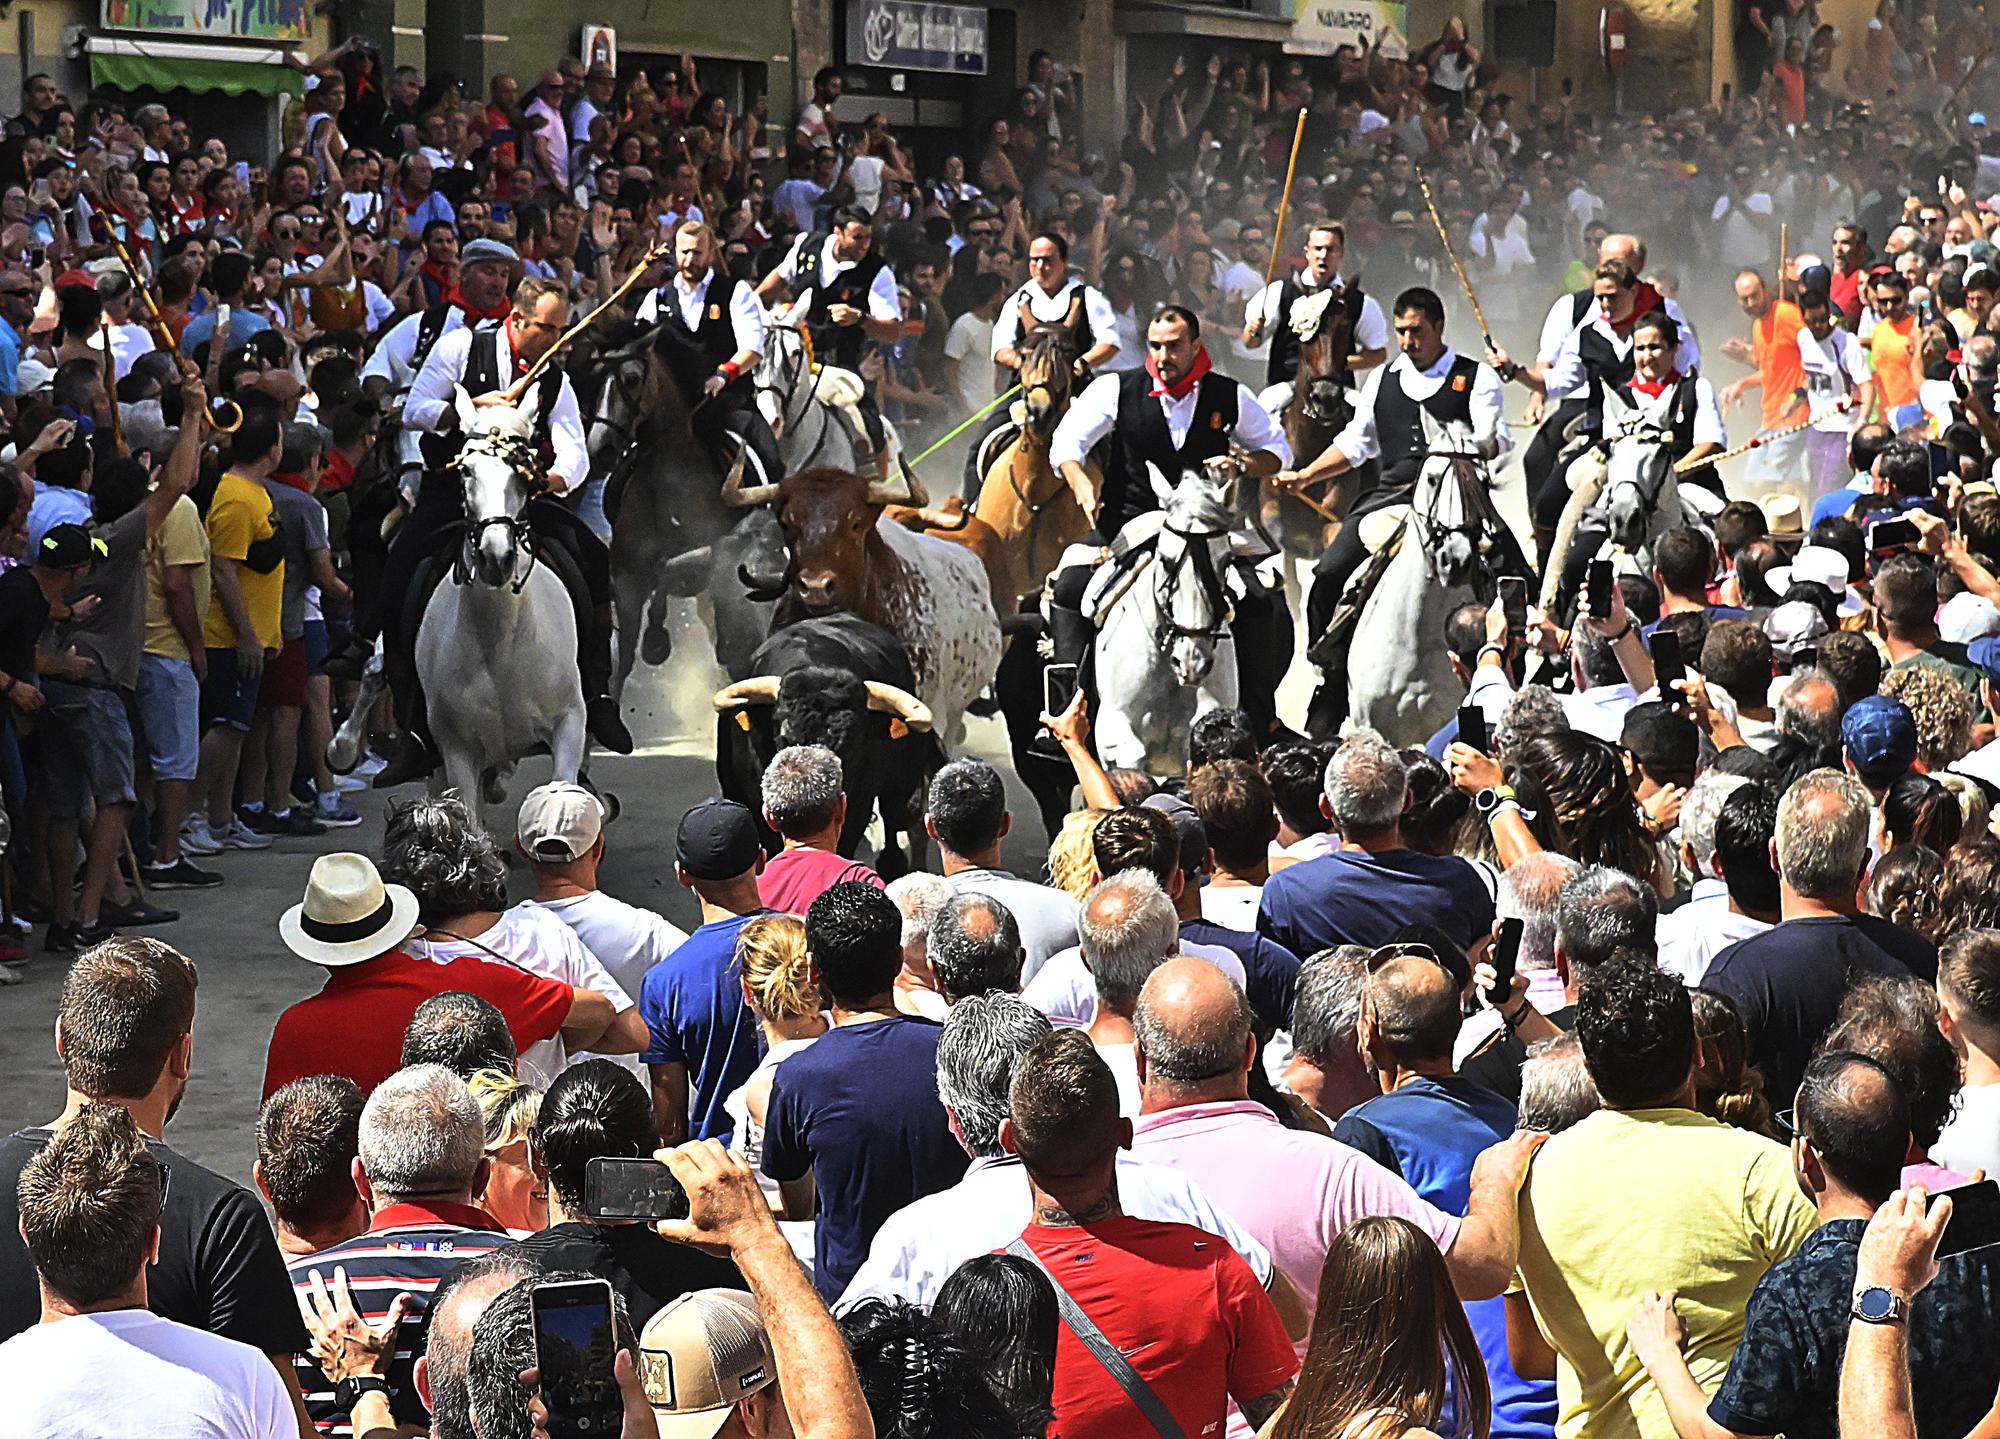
1599 589
1058 688
1975 1218
1514 600
1668 667
1472 728
632 1189
1506 950
1887 535
575 1342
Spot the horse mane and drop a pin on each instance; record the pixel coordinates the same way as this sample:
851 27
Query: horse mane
1056 335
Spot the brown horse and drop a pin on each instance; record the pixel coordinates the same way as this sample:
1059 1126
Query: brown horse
1027 504
1320 409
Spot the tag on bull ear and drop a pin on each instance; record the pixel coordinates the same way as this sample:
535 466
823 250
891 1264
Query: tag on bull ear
898 730
743 720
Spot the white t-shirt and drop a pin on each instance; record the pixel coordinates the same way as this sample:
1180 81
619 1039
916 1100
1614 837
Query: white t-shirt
535 940
128 1371
1233 906
1972 1139
1834 367
1064 991
866 173
969 343
627 940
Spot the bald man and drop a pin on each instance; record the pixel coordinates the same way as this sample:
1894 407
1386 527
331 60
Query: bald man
1293 1190
1430 1126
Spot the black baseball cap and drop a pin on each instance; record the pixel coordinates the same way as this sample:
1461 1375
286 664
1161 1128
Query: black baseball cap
717 840
69 547
1187 824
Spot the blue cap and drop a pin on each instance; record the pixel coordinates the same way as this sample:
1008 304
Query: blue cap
1880 737
1984 653
1977 117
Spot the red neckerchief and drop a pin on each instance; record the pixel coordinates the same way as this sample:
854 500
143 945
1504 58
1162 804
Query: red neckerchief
1645 300
1654 388
1201 366
437 275
297 482
514 346
339 472
498 312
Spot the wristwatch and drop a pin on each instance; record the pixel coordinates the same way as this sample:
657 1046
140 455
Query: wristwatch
347 1393
1491 798
1876 1305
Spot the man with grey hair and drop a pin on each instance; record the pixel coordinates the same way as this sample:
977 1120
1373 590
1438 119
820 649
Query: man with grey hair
1598 911
1788 982
1365 893
805 804
1692 936
1294 1189
1809 710
422 1162
1556 1087
1325 1069
920 1245
918 897
1529 890
1127 930
975 948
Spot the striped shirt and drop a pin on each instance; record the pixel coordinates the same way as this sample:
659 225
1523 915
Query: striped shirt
409 1249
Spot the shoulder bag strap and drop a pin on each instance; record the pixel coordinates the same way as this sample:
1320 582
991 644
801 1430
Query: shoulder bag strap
1104 1351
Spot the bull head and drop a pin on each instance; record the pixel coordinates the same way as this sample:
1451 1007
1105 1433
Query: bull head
758 690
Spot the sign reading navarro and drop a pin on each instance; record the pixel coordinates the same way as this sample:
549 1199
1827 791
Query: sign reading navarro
916 35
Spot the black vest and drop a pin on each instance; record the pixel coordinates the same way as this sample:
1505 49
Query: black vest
1399 424
1283 361
484 375
693 355
1140 434
836 344
1603 365
1680 412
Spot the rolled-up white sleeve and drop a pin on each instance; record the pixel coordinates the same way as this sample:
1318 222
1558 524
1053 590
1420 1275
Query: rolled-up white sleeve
1371 331
1555 329
1687 358
1490 430
1256 430
746 319
1101 318
1007 325
572 457
1088 420
432 391
1565 373
649 309
1358 442
1708 426
883 303
392 352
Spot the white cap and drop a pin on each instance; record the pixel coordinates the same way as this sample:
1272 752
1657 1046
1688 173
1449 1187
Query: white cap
559 822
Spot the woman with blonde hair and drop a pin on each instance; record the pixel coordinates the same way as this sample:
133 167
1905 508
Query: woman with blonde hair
515 1195
1072 861
1376 1370
778 986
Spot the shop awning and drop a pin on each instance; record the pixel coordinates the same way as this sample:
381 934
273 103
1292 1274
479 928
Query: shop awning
184 65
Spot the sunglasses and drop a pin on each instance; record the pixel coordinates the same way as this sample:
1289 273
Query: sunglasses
1387 952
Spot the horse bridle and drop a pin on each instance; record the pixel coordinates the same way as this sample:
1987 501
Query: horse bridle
519 455
1435 531
1195 552
789 389
1636 427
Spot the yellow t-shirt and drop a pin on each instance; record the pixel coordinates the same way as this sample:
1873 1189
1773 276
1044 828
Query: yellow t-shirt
240 515
181 540
1629 1201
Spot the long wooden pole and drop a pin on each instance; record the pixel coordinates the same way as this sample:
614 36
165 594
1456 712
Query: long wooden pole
1464 282
520 386
1688 467
111 389
1285 198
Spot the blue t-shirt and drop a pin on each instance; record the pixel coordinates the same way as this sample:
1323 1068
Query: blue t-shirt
245 324
860 1110
1430 1131
1270 970
1839 502
1354 898
10 360
693 1005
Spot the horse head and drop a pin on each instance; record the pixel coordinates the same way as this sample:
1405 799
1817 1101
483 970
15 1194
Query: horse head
1319 392
1447 521
1635 472
1201 513
499 468
787 360
1048 357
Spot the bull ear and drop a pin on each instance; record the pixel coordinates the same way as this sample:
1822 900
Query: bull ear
760 690
468 413
1161 489
890 700
739 496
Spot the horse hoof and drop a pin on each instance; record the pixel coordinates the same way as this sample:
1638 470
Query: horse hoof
341 756
655 646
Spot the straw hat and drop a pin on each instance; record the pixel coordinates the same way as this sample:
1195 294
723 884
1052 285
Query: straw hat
1783 519
348 914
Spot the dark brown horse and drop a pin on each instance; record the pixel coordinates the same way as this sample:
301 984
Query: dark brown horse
1028 505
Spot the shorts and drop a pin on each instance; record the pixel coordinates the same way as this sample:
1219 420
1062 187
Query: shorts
285 674
87 749
227 698
318 644
170 716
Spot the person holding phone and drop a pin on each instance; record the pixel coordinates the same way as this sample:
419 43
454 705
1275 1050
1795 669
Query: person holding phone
1850 1125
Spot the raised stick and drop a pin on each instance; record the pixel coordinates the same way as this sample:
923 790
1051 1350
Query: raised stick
520 387
1285 198
1464 282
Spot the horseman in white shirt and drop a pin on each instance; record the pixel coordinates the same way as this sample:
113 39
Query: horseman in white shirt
711 337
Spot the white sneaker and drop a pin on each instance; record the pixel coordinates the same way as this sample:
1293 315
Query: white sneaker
197 838
349 783
371 765
241 836
11 974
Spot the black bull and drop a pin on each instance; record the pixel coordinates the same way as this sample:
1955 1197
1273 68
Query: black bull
822 666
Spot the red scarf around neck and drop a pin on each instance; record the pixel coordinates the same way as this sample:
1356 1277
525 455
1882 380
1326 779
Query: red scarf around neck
499 311
1201 366
1654 388
1645 300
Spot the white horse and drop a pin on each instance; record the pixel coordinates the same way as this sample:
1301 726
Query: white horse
1399 677
1163 652
811 407
1624 496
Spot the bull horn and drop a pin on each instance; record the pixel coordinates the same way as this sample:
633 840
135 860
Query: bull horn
739 496
901 491
759 690
889 700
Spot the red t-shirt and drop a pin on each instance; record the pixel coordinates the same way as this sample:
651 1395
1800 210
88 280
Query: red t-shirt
794 878
354 1027
1184 1309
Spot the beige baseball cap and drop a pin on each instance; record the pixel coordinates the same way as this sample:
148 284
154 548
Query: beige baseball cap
559 822
699 1356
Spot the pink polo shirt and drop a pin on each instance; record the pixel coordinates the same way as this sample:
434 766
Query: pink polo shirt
1290 1189
793 878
